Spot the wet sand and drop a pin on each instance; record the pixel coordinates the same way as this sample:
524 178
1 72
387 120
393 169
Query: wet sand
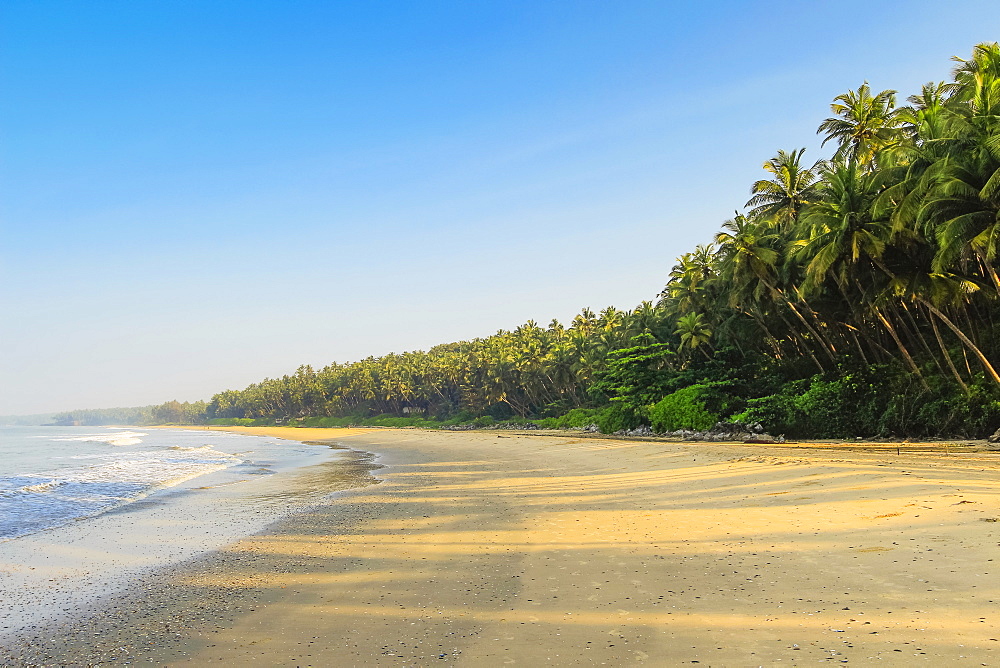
481 548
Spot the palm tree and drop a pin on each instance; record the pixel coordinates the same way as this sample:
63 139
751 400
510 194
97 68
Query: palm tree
924 118
863 125
961 205
747 256
976 78
845 242
843 231
782 198
693 332
748 264
684 287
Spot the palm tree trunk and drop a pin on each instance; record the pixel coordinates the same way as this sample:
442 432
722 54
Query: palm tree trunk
770 338
823 343
802 342
817 321
963 338
987 268
953 327
853 331
919 336
947 357
902 348
878 347
820 340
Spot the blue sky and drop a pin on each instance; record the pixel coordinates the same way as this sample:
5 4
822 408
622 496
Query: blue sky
194 195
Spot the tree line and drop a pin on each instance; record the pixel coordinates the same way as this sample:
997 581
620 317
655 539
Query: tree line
170 412
851 296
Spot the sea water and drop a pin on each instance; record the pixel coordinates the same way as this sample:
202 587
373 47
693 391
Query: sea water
53 475
86 511
50 476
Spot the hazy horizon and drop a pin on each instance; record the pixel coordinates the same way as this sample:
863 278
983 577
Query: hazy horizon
196 197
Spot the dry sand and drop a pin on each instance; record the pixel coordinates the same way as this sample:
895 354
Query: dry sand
484 549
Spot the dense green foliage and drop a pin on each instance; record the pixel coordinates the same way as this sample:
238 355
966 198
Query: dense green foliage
696 407
855 296
530 371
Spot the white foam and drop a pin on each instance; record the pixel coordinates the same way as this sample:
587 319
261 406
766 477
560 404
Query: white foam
163 467
119 439
42 486
102 482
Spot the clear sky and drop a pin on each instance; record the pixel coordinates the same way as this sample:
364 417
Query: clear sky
198 195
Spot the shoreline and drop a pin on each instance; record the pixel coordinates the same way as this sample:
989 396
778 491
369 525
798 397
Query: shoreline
485 547
55 577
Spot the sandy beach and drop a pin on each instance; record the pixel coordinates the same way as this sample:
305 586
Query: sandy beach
486 548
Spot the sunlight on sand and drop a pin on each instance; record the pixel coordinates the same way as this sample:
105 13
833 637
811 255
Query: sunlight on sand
567 551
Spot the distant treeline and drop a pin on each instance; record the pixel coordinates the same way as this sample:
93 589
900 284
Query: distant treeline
855 296
26 420
171 412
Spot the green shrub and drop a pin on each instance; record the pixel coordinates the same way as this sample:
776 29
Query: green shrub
696 407
684 409
829 408
574 419
618 416
777 413
235 422
578 417
874 400
945 411
462 417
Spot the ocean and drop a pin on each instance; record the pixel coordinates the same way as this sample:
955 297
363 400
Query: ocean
50 476
85 512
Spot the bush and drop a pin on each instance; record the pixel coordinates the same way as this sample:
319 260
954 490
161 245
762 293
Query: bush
234 422
684 409
618 416
875 400
777 413
578 417
462 417
843 406
696 407
946 411
830 407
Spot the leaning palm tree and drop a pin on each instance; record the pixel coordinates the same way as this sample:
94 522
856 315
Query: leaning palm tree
782 198
685 287
962 211
749 257
846 241
864 124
